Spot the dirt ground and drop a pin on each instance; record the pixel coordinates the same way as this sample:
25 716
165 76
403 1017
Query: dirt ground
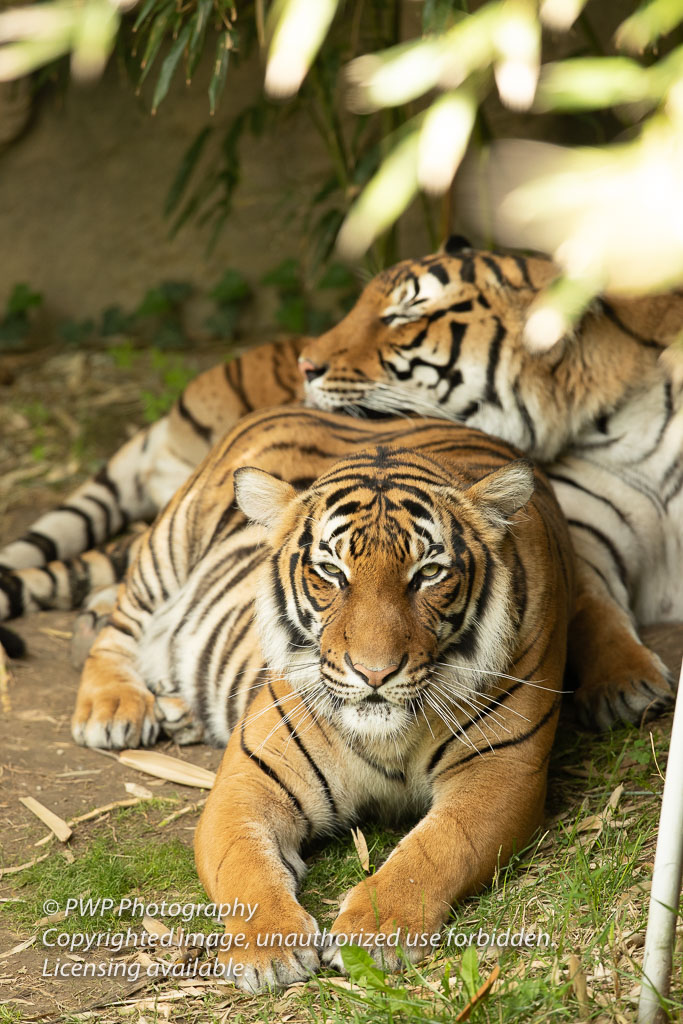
39 759
61 413
37 755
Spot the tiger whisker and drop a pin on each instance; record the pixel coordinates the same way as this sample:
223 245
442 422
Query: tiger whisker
490 672
283 721
485 715
312 715
275 675
294 694
463 691
422 708
294 668
284 718
450 692
476 724
461 735
446 700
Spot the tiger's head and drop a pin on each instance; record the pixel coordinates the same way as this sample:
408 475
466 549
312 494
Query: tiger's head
443 336
438 336
386 595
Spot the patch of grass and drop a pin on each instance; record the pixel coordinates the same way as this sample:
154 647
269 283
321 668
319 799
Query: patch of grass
335 868
10 1014
175 375
583 881
159 872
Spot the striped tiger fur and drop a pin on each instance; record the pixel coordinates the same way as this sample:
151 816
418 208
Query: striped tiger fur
442 335
408 585
600 410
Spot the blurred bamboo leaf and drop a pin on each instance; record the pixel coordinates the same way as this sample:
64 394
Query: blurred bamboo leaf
652 20
93 39
298 29
144 12
444 136
559 305
402 73
517 40
184 173
383 199
18 59
590 82
220 68
561 14
396 76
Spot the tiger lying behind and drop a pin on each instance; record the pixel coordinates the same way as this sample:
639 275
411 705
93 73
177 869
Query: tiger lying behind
442 335
408 585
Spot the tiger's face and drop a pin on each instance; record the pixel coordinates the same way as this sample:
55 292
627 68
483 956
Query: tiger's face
386 599
439 336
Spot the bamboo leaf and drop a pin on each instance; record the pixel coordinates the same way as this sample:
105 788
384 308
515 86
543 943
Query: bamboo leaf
361 849
164 767
169 66
189 210
652 19
145 11
48 817
383 200
196 44
154 41
590 82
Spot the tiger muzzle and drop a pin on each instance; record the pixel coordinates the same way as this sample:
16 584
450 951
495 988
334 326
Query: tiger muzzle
375 677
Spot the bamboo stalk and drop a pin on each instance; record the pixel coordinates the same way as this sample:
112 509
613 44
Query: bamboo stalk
666 882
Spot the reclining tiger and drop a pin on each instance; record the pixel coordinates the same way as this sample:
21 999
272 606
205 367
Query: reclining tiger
443 335
408 585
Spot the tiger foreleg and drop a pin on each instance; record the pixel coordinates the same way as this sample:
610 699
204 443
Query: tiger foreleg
476 821
614 675
90 622
247 854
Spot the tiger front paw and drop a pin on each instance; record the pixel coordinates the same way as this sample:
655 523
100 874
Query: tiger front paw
631 684
263 956
115 716
393 929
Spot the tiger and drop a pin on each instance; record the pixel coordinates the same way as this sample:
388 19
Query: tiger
442 335
372 618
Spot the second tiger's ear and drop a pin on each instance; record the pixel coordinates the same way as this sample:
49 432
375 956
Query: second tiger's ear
454 244
261 496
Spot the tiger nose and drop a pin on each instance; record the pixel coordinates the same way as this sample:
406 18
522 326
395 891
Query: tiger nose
374 677
309 370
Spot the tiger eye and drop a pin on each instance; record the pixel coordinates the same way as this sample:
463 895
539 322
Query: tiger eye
431 570
331 568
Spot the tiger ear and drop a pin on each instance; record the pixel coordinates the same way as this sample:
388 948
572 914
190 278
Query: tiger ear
503 492
455 244
260 496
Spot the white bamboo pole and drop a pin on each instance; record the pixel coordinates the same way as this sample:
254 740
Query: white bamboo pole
666 881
